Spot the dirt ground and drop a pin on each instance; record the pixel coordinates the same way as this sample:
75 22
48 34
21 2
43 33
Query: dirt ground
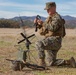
14 32
10 37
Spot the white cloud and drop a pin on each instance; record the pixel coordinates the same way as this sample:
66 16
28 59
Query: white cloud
67 8
7 14
21 7
11 4
33 14
72 3
24 10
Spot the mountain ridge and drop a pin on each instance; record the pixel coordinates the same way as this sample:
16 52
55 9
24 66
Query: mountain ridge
67 17
70 22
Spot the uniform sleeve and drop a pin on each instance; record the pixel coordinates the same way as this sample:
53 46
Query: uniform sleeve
42 31
54 25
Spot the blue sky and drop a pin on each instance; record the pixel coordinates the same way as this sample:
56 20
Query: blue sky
12 8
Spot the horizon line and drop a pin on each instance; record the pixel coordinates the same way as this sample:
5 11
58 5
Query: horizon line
33 16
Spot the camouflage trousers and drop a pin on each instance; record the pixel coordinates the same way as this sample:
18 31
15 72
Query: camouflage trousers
51 45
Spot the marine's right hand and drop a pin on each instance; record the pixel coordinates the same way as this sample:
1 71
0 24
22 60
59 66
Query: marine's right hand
40 22
35 20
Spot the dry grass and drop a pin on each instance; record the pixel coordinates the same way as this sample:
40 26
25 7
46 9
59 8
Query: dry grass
8 38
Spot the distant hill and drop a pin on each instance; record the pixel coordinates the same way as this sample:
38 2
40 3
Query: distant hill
28 20
31 18
67 17
70 21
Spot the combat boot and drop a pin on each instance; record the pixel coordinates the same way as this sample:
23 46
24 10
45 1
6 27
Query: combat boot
42 62
71 62
23 61
59 62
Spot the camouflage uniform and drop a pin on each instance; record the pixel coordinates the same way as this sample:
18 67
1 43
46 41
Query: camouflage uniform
52 29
